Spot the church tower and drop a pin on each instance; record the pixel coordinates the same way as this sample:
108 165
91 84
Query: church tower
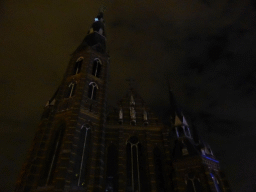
194 166
66 154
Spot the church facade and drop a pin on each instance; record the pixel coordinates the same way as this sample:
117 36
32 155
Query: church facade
81 146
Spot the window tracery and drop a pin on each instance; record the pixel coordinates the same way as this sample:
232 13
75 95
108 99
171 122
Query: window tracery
53 156
92 90
133 164
83 151
71 90
96 67
193 183
78 65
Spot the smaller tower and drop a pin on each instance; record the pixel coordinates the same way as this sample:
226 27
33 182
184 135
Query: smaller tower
195 168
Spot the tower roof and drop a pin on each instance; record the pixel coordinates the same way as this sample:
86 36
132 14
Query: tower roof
95 37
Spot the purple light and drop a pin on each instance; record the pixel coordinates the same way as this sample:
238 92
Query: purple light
211 159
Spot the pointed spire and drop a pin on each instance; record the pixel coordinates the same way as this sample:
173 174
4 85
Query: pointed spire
173 106
96 37
132 102
195 134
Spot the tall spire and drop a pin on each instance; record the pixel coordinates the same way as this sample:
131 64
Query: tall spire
173 106
96 37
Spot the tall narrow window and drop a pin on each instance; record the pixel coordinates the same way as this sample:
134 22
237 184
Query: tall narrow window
96 69
193 183
159 170
78 65
180 131
82 154
216 183
136 177
92 90
112 166
53 156
71 90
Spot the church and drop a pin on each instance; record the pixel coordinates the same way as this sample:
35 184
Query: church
81 145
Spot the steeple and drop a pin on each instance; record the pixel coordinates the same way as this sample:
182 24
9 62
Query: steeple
69 145
96 36
174 110
191 157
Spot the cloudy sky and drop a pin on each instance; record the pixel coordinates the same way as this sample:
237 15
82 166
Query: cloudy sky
206 49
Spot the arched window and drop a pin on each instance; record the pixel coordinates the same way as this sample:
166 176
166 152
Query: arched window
159 170
96 69
112 166
92 90
83 149
216 183
53 155
71 90
78 65
136 176
193 183
180 131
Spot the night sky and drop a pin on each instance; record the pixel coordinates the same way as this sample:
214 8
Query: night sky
206 49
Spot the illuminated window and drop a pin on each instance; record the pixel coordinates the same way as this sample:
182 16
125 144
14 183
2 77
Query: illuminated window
53 155
71 90
96 67
92 90
78 65
83 149
136 167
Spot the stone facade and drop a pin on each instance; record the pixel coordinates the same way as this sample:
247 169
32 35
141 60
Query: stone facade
83 146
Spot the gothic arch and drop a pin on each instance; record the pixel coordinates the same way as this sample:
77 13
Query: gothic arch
71 89
96 68
93 87
78 65
83 151
180 131
53 154
136 166
193 183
